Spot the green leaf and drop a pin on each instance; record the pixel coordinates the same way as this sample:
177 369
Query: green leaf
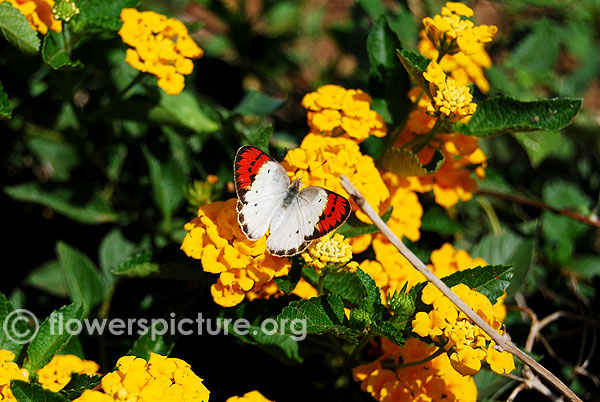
288 283
55 54
28 392
78 384
510 249
60 157
260 137
373 295
282 17
415 65
185 111
346 284
404 25
381 47
535 53
53 335
94 210
587 266
491 280
502 115
138 265
322 314
114 250
387 78
5 105
99 15
404 163
491 386
168 181
284 346
116 154
9 340
257 104
17 30
389 330
82 276
167 263
372 314
152 341
374 8
354 227
73 347
49 277
564 194
560 232
436 220
252 323
542 145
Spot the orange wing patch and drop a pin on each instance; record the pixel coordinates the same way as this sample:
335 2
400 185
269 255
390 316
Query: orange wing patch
248 162
335 213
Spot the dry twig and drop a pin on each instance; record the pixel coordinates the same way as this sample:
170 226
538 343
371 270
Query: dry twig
500 340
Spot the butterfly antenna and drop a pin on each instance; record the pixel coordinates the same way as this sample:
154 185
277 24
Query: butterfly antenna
309 170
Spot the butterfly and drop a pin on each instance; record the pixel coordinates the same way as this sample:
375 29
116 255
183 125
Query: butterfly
268 201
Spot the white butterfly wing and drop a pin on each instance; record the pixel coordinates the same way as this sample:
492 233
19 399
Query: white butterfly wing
292 228
261 185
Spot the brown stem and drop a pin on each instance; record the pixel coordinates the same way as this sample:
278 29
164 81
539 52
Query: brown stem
503 342
539 204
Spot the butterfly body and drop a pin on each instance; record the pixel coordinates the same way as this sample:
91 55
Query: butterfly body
268 201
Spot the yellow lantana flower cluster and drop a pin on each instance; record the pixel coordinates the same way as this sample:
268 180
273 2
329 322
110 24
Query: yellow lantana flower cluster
447 260
391 270
243 265
335 111
454 180
160 379
407 212
39 14
451 101
161 46
331 249
57 373
451 33
461 44
395 377
466 344
252 396
342 156
9 370
305 290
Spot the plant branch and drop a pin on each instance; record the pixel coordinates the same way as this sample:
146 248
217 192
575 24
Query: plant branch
502 341
321 283
542 205
426 138
440 350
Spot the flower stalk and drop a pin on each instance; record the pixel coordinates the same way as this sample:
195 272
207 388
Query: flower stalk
429 136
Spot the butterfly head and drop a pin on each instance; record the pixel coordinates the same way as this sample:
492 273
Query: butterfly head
296 184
